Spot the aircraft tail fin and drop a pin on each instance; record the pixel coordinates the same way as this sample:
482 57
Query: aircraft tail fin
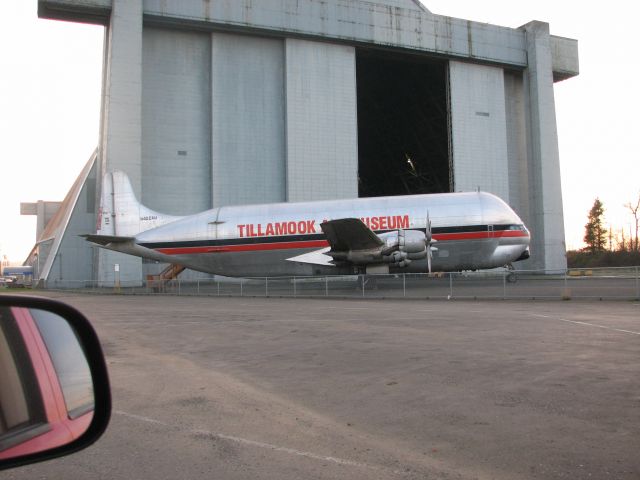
121 214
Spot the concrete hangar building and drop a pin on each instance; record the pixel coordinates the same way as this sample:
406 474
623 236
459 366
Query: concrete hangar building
210 103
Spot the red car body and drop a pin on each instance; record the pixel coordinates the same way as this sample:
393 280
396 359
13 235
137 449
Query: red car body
58 428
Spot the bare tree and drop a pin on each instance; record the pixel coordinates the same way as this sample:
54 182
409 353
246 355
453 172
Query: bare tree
635 211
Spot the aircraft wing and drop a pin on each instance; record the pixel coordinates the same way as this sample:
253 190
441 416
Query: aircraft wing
317 257
346 234
106 239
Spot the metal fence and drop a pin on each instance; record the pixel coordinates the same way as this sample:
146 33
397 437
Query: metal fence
605 283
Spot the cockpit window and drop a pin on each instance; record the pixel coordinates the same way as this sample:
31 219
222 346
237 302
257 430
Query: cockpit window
513 227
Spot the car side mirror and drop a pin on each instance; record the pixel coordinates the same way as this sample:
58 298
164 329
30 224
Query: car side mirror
54 388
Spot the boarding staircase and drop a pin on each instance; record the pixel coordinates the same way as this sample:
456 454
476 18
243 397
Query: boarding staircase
158 283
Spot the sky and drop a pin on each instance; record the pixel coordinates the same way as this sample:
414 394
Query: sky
50 90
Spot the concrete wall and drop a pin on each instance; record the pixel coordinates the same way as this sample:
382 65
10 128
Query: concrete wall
322 133
478 128
74 257
62 257
403 24
247 128
381 23
564 57
176 121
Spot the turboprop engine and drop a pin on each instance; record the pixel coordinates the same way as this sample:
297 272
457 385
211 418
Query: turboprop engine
353 242
403 247
397 248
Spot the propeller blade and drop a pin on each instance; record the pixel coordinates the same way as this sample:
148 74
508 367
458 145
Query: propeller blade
428 240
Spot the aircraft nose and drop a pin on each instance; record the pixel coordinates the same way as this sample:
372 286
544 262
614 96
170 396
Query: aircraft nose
526 254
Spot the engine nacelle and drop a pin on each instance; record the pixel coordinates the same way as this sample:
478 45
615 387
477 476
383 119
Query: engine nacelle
413 242
397 258
402 246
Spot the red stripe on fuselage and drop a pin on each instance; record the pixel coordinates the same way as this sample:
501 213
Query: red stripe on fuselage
252 247
479 235
244 248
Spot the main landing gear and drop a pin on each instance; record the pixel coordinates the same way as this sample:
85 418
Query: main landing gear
511 276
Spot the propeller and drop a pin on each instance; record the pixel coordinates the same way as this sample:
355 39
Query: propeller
429 241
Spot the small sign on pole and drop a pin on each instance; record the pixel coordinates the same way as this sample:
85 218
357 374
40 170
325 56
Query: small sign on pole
116 269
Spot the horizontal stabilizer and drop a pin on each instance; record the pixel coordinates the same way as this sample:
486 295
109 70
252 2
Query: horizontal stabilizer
347 234
317 257
106 239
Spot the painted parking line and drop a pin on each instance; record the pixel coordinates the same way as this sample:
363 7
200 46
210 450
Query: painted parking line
263 445
576 322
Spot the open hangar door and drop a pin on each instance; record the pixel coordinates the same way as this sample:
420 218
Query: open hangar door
403 127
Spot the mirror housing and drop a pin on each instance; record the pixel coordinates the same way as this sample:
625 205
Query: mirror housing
55 404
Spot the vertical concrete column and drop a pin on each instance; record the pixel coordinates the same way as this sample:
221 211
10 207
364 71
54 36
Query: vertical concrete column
41 216
121 121
321 121
548 245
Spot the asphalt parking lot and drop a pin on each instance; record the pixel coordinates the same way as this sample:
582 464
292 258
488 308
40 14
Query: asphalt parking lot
238 388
